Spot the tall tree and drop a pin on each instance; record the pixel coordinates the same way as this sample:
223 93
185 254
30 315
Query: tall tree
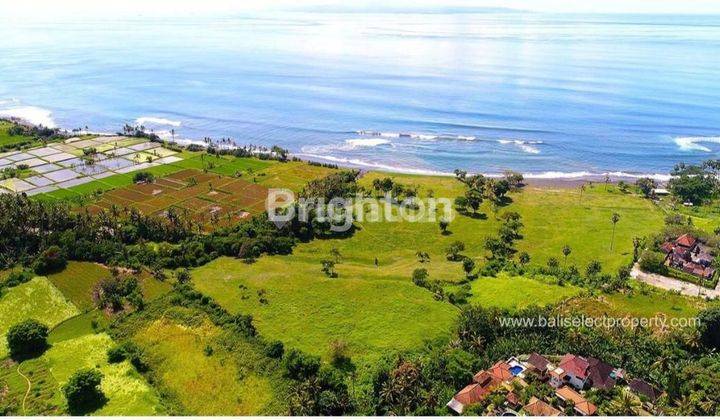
566 251
614 219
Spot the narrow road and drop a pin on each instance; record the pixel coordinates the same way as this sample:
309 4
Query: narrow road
26 392
669 283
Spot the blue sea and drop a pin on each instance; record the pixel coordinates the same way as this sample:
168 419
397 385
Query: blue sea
549 95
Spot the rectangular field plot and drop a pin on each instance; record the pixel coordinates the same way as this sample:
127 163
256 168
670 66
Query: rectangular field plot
44 151
209 205
48 167
62 175
58 157
39 181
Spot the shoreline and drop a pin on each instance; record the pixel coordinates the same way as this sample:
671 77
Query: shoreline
554 179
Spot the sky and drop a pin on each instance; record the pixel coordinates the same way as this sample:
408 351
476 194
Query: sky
92 8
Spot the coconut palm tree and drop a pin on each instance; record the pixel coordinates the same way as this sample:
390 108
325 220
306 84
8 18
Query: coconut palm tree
614 219
566 251
625 404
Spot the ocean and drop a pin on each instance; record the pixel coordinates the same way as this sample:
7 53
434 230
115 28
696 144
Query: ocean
545 94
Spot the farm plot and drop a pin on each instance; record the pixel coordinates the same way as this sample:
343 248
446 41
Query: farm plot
210 199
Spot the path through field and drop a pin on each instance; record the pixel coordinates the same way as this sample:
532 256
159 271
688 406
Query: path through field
669 283
28 389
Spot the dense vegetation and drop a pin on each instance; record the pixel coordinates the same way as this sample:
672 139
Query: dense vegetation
382 319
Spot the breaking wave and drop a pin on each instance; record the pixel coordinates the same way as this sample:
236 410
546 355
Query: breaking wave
157 121
529 175
524 145
31 114
695 143
366 142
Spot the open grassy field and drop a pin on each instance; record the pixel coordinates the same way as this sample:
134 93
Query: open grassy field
365 304
191 361
308 311
6 140
77 280
644 302
127 392
552 218
514 292
291 175
37 299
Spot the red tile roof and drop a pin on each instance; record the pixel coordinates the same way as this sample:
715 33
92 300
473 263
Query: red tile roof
501 371
538 361
575 365
512 398
472 394
667 247
686 240
538 407
581 404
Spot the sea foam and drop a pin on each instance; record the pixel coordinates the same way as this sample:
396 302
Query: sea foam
372 142
524 145
695 143
157 121
31 114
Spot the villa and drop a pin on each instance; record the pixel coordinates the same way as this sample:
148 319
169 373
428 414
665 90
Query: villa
570 377
688 254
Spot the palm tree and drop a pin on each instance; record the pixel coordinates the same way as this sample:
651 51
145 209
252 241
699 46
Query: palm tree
625 404
566 251
614 219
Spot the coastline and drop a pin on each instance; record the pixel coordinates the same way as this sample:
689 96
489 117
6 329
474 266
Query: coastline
554 179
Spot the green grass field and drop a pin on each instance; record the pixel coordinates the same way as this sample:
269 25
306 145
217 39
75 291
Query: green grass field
37 299
646 302
127 392
291 175
187 370
509 292
365 304
77 280
6 140
308 311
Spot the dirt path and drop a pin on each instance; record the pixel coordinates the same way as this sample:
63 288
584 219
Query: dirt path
669 283
26 392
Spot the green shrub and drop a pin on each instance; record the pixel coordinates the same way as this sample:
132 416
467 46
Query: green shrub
299 365
653 262
28 338
82 391
709 328
51 260
17 278
143 177
274 349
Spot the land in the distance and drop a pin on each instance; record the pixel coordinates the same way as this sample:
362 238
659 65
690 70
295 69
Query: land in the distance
228 315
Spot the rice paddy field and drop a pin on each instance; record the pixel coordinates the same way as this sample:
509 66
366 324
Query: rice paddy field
56 168
209 198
